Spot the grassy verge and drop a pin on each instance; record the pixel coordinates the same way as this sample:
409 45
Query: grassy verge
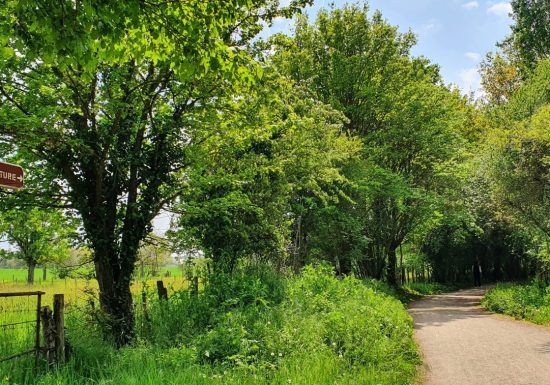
522 301
412 291
250 328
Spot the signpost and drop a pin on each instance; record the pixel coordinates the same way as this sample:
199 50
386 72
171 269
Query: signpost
11 176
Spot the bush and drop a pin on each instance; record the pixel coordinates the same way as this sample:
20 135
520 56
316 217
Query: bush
255 327
426 288
528 301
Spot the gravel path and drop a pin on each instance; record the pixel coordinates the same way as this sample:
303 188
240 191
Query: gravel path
464 345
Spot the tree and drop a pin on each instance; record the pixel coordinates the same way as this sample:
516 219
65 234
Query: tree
39 236
500 78
274 147
153 253
531 31
409 123
533 94
110 97
521 172
516 167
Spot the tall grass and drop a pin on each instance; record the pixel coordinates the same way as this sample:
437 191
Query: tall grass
249 328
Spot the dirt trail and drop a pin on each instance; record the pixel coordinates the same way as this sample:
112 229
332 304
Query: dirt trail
464 345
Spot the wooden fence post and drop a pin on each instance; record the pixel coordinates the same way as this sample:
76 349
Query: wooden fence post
59 324
48 330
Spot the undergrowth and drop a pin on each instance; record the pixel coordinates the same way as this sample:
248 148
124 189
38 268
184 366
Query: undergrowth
250 328
426 288
523 301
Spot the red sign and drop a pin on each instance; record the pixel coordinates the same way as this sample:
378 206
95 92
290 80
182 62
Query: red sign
11 176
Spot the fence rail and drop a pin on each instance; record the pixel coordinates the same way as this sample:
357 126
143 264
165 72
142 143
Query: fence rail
17 332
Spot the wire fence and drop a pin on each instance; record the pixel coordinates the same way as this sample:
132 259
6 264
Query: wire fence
20 324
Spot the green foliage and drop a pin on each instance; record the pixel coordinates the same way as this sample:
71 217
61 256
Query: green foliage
527 301
500 78
500 218
426 288
530 34
532 95
39 236
254 328
410 125
271 148
111 99
519 171
87 34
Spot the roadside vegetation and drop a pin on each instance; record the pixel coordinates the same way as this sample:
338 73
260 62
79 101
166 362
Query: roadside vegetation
528 301
427 288
252 327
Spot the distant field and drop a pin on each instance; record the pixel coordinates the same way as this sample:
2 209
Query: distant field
79 289
20 274
13 274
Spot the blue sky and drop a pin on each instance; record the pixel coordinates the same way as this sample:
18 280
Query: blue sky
455 34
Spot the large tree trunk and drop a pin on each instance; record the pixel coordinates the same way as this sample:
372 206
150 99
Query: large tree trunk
392 264
344 266
116 301
30 272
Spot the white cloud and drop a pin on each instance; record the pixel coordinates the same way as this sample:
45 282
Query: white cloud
471 5
470 79
500 9
430 28
473 56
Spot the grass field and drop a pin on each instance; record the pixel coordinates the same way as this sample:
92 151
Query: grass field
250 328
13 275
8 276
79 289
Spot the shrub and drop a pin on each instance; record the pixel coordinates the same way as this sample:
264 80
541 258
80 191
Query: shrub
522 301
255 327
426 288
